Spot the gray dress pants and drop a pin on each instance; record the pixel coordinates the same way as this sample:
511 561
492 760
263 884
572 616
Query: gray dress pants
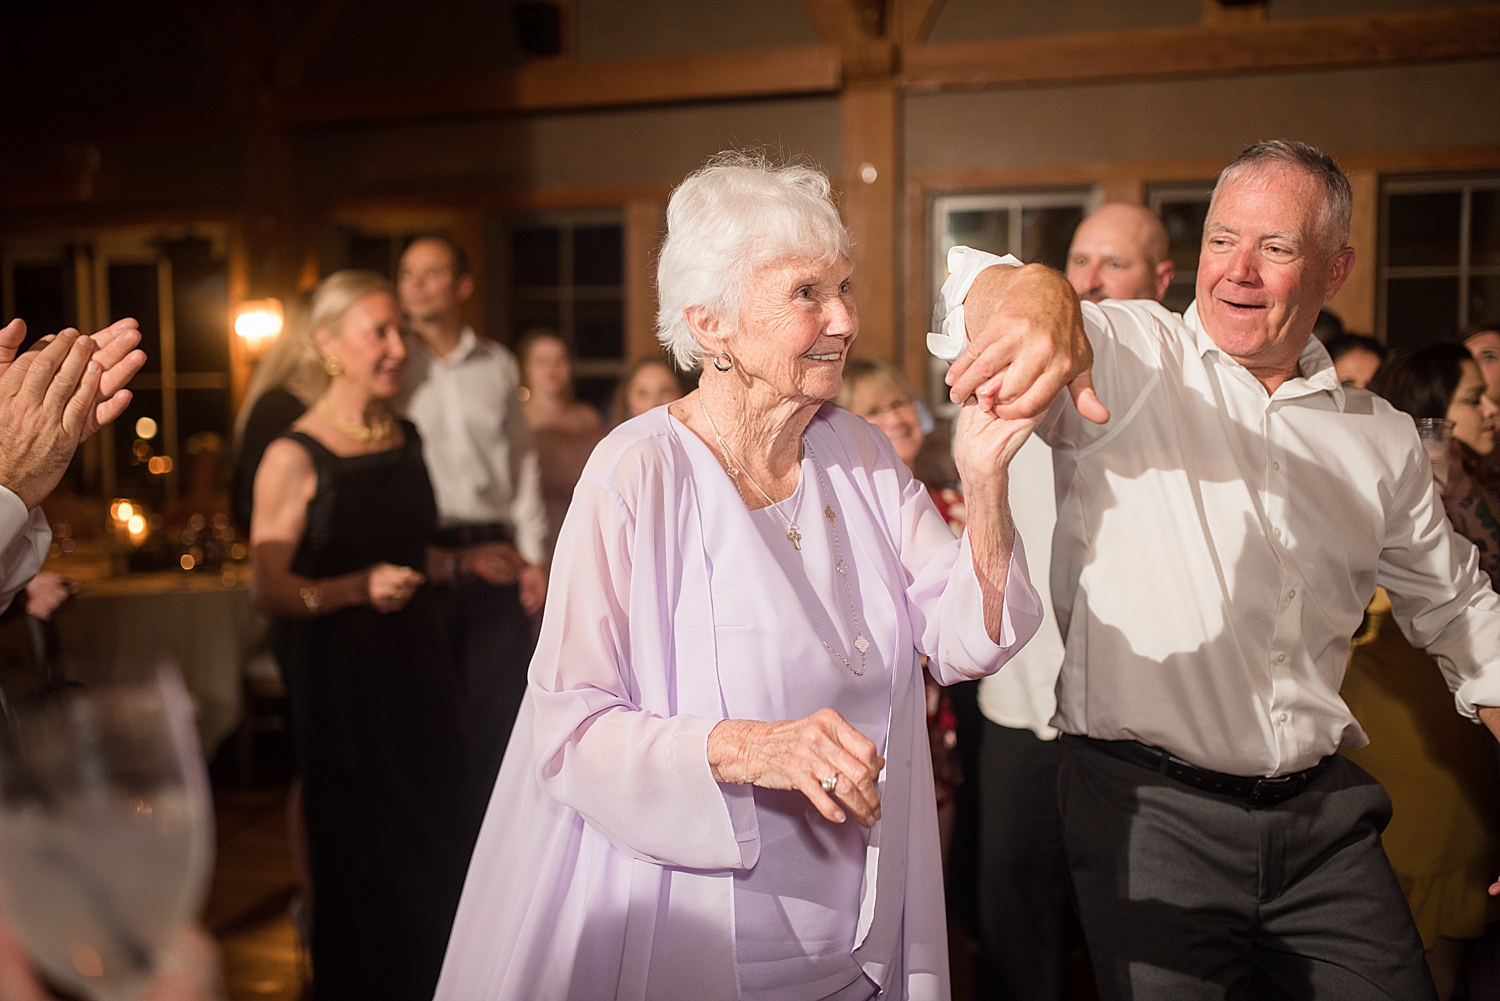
1190 895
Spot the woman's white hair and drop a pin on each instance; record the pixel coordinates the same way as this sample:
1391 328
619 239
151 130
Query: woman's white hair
737 212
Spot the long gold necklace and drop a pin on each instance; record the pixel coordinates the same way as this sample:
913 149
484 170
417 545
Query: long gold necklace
860 643
358 432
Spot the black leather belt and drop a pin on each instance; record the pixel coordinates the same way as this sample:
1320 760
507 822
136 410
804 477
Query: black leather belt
458 536
1253 789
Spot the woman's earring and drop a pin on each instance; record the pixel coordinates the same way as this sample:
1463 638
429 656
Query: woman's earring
332 365
727 364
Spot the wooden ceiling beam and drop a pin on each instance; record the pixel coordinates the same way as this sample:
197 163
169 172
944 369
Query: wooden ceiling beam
1206 50
554 86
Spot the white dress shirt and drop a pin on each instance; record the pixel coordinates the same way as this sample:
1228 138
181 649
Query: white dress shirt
475 439
1216 547
24 538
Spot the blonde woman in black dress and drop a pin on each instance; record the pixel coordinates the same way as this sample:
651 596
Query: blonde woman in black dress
343 520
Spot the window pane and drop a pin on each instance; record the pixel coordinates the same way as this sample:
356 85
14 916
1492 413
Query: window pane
1424 229
598 255
1484 299
132 292
987 230
200 306
373 253
534 251
528 316
44 299
598 392
1184 222
1420 311
1484 228
599 329
1046 234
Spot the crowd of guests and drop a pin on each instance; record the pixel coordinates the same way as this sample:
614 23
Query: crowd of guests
1155 642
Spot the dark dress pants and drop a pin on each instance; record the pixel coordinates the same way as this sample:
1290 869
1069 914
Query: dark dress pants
1024 898
491 639
1190 895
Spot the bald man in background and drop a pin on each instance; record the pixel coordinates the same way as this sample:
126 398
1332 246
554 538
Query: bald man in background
1120 252
1025 901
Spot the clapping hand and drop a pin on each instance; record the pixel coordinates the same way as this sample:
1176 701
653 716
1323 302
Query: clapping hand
56 395
802 754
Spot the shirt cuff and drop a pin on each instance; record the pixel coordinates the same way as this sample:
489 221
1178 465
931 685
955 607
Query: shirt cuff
740 800
969 648
964 265
13 517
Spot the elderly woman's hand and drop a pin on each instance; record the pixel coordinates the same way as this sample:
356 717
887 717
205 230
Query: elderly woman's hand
984 444
799 754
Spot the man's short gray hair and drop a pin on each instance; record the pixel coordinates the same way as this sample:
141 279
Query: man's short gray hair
1338 199
737 212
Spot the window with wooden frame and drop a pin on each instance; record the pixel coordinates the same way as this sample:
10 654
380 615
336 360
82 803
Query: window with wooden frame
176 283
1035 226
564 272
1439 257
1183 208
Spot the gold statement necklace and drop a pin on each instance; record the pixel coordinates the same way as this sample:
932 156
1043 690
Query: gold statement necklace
358 432
861 644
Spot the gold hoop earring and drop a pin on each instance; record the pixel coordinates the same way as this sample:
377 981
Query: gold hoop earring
332 365
728 362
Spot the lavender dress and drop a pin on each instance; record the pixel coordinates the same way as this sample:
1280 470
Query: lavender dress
611 864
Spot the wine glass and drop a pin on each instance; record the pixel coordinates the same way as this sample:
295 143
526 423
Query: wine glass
105 832
1435 433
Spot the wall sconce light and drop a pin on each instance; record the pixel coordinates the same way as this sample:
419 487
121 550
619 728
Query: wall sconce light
258 322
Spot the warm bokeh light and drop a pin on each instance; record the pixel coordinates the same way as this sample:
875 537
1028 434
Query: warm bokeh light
145 428
160 464
121 510
187 562
258 322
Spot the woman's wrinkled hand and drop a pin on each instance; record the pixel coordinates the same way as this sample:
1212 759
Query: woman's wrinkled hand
799 754
391 587
984 444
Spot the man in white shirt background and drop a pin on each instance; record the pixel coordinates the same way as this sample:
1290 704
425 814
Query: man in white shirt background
462 393
1228 509
1025 901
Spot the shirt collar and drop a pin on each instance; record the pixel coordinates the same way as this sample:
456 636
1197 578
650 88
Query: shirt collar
468 343
1314 365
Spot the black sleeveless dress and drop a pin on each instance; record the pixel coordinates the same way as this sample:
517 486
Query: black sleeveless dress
387 778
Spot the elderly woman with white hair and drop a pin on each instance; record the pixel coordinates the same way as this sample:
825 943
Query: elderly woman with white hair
719 785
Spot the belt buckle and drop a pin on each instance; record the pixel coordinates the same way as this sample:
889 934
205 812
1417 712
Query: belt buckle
1268 792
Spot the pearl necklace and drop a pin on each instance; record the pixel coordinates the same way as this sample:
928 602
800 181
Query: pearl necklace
358 432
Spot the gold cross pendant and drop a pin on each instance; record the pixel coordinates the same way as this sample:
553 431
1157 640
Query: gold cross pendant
796 537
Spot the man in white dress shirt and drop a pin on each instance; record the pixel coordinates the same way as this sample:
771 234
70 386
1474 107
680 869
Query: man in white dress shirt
1025 901
51 399
462 393
1229 509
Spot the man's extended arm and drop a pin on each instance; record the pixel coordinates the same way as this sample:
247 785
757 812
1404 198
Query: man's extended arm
1025 336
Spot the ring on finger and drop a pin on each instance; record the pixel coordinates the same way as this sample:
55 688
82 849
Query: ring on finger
830 783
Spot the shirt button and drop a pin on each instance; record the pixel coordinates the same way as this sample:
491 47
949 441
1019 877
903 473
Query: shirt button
1276 532
1281 718
1280 658
1275 467
1292 593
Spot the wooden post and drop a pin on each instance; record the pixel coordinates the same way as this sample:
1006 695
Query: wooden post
1355 303
871 208
643 233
